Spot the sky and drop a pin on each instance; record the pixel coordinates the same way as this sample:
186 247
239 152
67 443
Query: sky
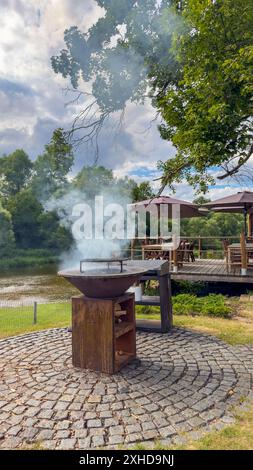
33 98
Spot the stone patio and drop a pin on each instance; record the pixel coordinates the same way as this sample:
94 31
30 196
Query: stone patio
181 384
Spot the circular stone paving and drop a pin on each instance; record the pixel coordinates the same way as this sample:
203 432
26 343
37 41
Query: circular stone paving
181 382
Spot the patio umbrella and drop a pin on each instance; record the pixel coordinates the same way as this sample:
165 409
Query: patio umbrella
187 209
241 202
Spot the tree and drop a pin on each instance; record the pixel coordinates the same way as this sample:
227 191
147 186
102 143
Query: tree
208 115
52 167
25 210
93 180
126 52
142 192
201 200
53 235
34 227
15 172
7 240
192 58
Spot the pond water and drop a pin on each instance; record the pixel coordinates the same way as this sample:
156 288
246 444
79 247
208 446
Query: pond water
25 286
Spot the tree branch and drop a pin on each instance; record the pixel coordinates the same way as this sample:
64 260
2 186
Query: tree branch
234 170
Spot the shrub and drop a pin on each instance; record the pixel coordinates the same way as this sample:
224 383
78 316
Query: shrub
213 305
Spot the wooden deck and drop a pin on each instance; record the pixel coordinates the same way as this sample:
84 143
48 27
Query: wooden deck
211 270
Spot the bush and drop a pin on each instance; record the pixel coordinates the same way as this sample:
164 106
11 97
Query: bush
188 287
213 305
7 241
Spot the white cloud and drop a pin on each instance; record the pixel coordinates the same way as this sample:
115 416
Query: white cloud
31 32
32 100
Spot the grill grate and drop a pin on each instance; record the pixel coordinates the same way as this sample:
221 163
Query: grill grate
108 261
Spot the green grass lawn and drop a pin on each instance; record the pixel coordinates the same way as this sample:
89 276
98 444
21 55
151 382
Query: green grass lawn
238 436
16 321
235 437
19 320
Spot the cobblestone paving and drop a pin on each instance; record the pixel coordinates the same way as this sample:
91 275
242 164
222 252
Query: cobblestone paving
181 383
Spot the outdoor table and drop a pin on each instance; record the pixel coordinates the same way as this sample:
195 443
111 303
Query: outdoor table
236 248
163 247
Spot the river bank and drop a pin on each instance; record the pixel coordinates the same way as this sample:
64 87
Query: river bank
28 258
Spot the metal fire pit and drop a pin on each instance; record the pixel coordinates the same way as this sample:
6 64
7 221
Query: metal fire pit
103 278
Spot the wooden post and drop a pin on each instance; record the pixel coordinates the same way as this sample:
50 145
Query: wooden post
226 257
132 248
199 247
166 303
250 225
175 259
35 313
243 255
143 252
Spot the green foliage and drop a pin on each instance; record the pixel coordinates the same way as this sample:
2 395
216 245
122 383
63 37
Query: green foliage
92 179
142 192
23 187
25 210
27 258
194 58
52 167
188 287
15 172
7 240
208 114
33 227
213 305
52 234
213 225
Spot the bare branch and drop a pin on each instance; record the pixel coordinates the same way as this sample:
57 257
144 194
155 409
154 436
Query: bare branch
236 168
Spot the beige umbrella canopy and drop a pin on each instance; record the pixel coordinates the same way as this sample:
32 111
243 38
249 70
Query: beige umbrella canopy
241 202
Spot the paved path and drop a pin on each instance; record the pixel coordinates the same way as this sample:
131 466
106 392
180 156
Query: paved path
181 383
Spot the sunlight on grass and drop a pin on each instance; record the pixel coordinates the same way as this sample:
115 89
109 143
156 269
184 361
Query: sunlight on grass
228 330
236 437
16 321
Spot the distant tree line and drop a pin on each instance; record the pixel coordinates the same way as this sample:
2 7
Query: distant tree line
26 185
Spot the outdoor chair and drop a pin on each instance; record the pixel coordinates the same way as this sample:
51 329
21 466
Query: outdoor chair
235 260
181 253
225 244
190 252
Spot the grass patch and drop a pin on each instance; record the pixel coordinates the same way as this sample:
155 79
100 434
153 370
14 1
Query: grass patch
238 436
228 329
19 320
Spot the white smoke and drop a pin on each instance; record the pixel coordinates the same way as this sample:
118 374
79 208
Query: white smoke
90 228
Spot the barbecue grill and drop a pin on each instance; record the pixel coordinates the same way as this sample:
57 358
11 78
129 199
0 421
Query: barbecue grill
103 277
103 320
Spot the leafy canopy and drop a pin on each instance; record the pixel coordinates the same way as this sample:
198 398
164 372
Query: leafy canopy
15 172
193 58
53 166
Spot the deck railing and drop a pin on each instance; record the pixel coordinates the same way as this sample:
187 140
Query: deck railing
205 247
